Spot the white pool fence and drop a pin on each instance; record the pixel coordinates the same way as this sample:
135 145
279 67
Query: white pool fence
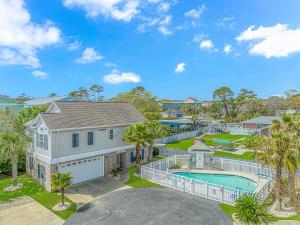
158 172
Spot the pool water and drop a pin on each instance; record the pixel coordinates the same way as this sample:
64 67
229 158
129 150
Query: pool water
223 141
226 180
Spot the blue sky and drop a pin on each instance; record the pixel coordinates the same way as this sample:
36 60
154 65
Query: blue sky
175 48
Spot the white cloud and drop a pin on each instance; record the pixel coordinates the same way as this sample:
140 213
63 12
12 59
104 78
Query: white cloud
40 74
195 13
180 68
165 30
227 49
206 45
89 55
274 41
20 37
163 7
226 23
74 46
123 10
117 77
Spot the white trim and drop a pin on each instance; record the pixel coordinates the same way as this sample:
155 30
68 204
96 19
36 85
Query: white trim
48 160
93 127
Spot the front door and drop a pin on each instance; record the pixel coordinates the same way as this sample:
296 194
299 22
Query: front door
199 160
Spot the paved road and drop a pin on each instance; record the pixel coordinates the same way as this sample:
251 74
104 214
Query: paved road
149 206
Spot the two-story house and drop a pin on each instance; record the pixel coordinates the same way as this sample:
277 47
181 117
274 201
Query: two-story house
84 138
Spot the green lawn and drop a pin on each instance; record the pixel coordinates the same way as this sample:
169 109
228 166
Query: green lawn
182 145
245 156
37 192
138 182
210 138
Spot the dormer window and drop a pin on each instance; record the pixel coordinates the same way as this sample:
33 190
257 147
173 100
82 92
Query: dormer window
42 141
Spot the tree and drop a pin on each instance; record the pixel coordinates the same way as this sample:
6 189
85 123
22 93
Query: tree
61 181
137 134
95 91
275 149
224 95
141 99
251 211
13 141
291 92
30 113
154 130
84 94
22 98
252 142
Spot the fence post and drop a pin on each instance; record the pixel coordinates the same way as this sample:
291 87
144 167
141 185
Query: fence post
207 190
222 163
153 175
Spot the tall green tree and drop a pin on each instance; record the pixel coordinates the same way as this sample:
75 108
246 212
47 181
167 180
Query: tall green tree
95 91
276 151
250 210
13 141
141 99
154 130
30 113
137 134
224 95
61 181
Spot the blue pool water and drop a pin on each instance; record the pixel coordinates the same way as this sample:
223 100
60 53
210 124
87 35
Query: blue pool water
230 181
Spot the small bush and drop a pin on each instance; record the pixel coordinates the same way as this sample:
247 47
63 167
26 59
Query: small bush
155 151
5 164
114 172
176 166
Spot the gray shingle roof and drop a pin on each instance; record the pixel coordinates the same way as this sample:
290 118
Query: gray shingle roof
92 114
263 120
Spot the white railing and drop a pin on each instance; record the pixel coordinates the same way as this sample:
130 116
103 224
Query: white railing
241 166
178 137
158 172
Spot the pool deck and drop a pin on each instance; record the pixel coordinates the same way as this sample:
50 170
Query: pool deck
260 181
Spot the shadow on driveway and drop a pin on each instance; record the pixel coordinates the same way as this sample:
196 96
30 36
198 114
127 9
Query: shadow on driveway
145 206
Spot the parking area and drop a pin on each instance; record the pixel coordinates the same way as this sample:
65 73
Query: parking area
85 192
140 206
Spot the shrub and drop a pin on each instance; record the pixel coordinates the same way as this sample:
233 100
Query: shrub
251 211
5 164
155 151
176 166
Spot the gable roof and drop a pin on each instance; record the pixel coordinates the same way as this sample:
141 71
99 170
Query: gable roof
4 99
47 100
263 120
91 114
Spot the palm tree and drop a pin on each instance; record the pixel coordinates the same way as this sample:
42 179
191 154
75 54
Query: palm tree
278 151
137 134
194 119
11 145
251 211
154 130
61 181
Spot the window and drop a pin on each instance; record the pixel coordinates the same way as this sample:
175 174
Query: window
111 134
90 138
42 141
143 154
31 163
132 157
75 140
41 172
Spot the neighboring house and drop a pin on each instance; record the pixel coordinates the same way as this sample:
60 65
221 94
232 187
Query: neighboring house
6 104
177 124
176 105
48 100
84 138
259 122
258 125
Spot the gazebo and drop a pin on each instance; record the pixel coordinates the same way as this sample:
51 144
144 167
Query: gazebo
201 156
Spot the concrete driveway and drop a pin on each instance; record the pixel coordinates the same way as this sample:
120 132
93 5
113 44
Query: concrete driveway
26 211
85 192
145 206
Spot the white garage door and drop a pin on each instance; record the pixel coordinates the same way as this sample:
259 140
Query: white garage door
84 170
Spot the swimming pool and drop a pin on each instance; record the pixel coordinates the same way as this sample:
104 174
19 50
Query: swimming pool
222 141
226 180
